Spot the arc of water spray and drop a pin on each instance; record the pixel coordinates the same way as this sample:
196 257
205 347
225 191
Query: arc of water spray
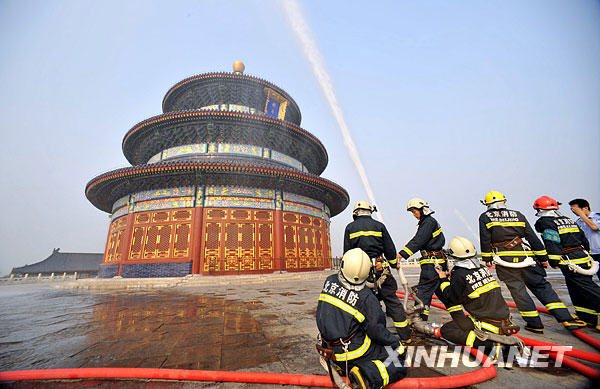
462 218
310 48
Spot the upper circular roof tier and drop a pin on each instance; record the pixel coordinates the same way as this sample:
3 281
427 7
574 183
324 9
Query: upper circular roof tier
228 88
105 189
161 132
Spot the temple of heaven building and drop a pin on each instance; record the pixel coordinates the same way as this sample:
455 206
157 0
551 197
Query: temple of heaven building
225 181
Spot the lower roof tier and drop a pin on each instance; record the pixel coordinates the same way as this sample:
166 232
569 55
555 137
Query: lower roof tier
104 190
218 196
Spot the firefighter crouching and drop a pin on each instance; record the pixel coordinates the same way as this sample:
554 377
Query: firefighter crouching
567 249
475 289
501 233
352 326
374 239
429 239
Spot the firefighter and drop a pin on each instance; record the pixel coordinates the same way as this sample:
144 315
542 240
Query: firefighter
501 233
429 239
474 288
373 238
568 249
352 326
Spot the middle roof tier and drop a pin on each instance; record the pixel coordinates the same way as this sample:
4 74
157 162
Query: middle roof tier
162 132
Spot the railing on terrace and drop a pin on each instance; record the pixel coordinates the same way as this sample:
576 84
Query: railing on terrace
34 277
218 266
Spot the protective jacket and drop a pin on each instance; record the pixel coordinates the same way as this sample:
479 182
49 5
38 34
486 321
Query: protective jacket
498 228
477 291
356 317
429 237
563 239
372 237
566 243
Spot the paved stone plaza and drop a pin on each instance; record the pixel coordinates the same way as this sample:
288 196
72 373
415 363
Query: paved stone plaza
262 323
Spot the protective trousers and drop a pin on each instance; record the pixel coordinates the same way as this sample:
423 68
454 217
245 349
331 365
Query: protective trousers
429 284
534 278
378 367
585 295
458 335
393 306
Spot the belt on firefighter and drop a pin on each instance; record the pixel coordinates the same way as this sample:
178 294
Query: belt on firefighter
500 327
508 244
433 254
436 257
568 250
340 340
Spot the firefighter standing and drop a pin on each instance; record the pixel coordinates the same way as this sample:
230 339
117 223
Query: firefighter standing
352 325
430 240
501 233
373 238
568 248
473 287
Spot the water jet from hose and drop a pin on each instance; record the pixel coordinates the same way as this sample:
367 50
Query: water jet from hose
312 53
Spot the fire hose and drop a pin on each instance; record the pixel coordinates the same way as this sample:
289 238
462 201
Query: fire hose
579 270
454 381
516 265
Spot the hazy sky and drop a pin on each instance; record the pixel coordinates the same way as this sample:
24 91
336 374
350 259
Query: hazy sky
445 100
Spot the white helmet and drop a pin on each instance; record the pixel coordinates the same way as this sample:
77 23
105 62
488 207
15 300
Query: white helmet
418 203
362 204
462 248
355 266
362 208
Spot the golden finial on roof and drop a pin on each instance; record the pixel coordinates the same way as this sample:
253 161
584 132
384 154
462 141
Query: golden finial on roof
238 67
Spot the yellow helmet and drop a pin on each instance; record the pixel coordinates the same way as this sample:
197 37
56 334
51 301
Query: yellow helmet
493 197
460 247
355 266
362 204
416 203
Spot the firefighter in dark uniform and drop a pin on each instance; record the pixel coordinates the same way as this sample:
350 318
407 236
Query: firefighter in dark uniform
568 249
373 238
352 325
474 288
501 233
429 239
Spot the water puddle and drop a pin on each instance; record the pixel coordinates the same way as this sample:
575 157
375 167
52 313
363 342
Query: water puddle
157 330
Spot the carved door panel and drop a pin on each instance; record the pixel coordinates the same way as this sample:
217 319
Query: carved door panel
265 245
212 239
291 246
181 246
137 242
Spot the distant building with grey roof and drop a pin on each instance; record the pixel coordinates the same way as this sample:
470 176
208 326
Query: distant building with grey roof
85 264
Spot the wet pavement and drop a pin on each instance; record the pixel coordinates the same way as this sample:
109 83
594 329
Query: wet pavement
257 326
